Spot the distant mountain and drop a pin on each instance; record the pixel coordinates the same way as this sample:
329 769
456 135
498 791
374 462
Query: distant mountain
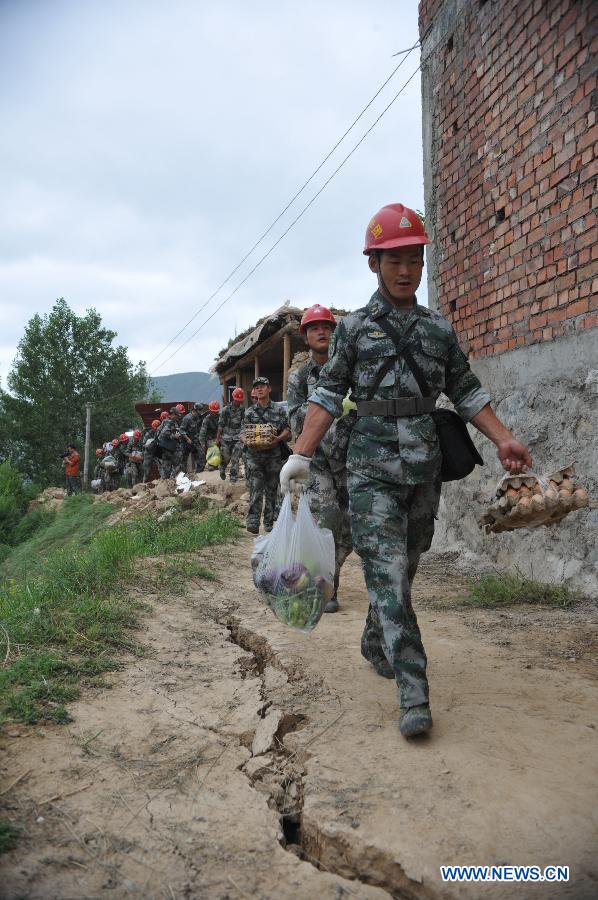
198 386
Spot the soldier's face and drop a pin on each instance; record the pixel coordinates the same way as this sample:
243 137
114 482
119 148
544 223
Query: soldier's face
262 391
318 336
401 270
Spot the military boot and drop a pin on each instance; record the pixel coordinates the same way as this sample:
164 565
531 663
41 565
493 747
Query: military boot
415 720
223 474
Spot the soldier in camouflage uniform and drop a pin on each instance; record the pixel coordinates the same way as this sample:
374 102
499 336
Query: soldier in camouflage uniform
190 427
168 441
263 466
230 426
328 497
207 433
133 468
150 445
393 457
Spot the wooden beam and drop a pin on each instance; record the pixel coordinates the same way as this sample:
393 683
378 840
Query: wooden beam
256 366
286 362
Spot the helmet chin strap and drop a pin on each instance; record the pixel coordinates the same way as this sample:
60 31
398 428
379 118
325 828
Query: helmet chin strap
381 283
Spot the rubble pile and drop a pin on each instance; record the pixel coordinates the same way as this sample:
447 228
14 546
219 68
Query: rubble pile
160 496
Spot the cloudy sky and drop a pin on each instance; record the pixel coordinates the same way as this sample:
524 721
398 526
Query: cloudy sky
147 145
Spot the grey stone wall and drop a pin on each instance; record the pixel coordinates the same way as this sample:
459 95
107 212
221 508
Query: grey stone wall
547 394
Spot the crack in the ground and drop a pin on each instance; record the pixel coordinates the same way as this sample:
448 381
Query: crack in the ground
280 774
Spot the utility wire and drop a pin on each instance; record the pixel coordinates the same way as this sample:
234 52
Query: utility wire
293 223
405 54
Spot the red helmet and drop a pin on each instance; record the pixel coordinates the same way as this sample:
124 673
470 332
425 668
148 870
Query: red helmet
137 434
214 406
155 423
238 394
114 442
99 451
123 438
163 415
316 313
180 408
394 225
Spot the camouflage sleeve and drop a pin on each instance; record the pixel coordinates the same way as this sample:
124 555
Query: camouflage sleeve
203 431
462 387
297 400
223 418
282 421
335 376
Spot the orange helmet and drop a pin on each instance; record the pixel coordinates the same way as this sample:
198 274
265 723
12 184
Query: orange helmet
123 438
137 434
155 423
214 406
316 313
238 394
99 451
394 225
163 415
114 442
180 408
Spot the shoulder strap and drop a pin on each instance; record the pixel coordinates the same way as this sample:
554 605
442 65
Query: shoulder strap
401 343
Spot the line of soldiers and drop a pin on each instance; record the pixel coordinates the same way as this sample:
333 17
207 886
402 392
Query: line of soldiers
169 442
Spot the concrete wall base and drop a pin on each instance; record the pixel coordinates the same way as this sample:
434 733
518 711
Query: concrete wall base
547 394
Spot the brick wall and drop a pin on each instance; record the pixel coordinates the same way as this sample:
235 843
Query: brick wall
510 97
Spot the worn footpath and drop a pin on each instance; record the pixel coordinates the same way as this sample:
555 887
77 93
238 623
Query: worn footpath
240 759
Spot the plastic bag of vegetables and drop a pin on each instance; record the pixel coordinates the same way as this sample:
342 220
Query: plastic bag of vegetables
293 567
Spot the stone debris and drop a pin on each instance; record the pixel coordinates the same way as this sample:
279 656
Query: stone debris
265 732
161 496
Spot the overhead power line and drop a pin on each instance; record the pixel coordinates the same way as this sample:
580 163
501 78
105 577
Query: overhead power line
405 54
293 223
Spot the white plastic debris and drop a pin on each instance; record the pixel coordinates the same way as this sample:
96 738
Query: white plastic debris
184 484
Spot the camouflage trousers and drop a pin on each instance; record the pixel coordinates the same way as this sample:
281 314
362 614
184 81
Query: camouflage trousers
148 459
262 471
230 451
133 473
171 463
392 525
329 503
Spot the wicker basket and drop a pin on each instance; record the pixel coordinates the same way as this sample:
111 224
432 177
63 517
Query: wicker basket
137 456
259 437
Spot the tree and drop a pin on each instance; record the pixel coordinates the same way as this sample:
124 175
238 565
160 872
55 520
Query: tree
63 361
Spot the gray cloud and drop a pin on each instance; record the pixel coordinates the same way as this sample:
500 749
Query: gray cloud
149 144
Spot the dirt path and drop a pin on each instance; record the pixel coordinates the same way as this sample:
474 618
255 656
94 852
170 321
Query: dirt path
239 759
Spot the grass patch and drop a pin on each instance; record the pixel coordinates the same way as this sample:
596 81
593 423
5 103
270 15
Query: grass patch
65 624
74 525
505 589
9 835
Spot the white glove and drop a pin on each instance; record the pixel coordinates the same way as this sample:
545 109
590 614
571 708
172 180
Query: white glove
295 474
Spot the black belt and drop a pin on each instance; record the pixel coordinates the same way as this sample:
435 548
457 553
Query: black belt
396 407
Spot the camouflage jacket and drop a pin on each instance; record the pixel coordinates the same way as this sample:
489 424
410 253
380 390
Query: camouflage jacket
209 429
231 422
168 430
302 382
191 426
149 435
133 445
400 450
260 415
